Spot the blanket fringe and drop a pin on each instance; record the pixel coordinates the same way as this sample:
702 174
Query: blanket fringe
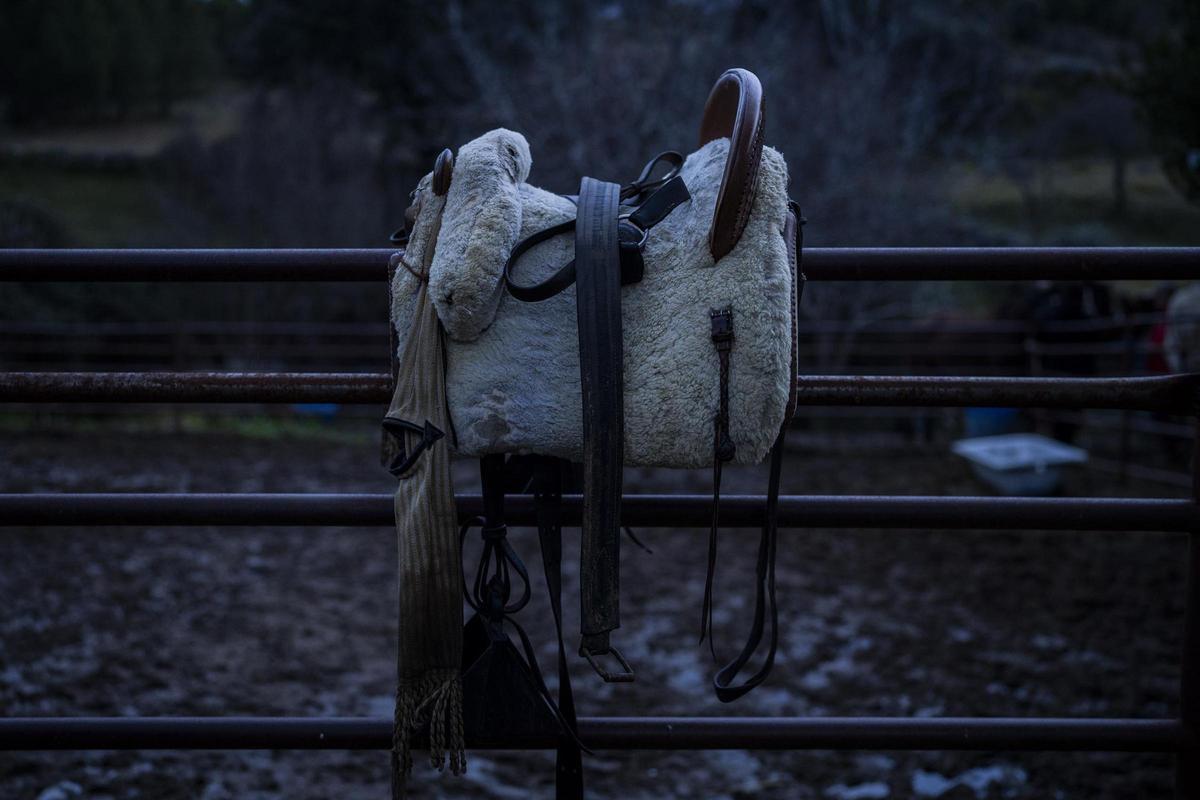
437 698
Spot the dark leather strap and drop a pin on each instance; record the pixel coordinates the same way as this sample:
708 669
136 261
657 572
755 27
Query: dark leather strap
598 304
646 182
723 450
489 593
655 201
548 488
489 596
734 109
764 602
765 605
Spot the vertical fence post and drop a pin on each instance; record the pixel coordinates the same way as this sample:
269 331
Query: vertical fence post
1187 780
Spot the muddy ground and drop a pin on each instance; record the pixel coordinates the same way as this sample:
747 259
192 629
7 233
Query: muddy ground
288 621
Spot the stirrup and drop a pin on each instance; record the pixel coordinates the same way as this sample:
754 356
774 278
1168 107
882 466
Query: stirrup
603 648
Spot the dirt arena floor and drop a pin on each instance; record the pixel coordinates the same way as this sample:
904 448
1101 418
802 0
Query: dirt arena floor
290 621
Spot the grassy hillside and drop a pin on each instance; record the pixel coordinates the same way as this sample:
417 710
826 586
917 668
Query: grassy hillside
1071 202
92 209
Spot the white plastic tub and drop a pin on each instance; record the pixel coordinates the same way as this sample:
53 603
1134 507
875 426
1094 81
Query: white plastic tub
1019 463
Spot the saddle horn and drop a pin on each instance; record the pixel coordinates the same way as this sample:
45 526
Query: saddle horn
443 170
734 109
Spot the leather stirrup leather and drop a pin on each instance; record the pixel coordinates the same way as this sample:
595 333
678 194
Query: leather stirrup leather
601 359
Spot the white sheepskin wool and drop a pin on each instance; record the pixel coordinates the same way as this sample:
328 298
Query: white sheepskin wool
513 367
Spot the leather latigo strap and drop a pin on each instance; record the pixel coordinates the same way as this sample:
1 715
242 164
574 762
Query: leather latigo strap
547 485
734 109
598 308
644 203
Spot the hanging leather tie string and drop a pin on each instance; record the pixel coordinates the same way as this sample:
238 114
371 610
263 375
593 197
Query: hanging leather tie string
722 337
490 591
410 269
547 484
765 606
764 601
723 450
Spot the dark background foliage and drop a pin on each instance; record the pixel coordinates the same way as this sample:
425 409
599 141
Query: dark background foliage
280 123
301 123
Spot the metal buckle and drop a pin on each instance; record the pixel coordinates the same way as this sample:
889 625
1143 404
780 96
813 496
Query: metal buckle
626 674
626 218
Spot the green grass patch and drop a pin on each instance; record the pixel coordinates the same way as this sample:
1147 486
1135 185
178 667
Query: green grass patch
1073 204
350 430
94 209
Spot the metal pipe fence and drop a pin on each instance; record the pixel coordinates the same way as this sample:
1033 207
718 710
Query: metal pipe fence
820 263
1002 341
1176 394
1169 393
609 733
643 510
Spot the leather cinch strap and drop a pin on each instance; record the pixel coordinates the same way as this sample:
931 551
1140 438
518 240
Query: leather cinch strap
598 302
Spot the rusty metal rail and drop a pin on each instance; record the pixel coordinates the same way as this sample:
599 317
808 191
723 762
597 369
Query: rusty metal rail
820 263
195 387
607 733
1177 394
647 510
1170 393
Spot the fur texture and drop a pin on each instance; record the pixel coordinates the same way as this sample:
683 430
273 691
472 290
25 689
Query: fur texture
479 228
513 371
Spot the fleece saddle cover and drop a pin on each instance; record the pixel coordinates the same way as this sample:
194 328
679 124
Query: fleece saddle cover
661 333
513 368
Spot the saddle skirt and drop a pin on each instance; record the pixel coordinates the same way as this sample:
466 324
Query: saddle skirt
512 367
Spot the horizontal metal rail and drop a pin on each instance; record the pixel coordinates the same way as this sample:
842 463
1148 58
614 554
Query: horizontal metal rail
1112 326
1177 394
195 387
607 733
1170 393
652 510
820 263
